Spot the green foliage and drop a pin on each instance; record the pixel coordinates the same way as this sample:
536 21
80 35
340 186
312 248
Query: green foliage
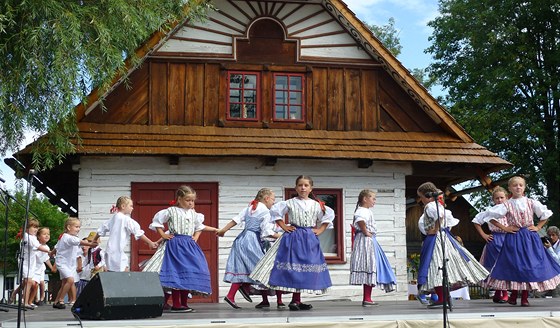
54 52
388 35
39 208
500 62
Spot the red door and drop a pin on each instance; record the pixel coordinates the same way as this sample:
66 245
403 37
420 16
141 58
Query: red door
151 197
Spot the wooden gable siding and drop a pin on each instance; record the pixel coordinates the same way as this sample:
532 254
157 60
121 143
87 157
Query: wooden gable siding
319 36
190 93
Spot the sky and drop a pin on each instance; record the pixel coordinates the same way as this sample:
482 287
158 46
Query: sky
411 18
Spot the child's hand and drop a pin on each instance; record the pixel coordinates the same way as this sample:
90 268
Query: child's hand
288 228
511 229
533 228
367 233
220 233
153 245
167 236
79 269
488 238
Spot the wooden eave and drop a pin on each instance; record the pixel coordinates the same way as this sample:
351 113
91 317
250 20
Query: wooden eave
123 140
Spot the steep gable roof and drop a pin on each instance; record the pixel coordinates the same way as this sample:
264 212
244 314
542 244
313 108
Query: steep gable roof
325 32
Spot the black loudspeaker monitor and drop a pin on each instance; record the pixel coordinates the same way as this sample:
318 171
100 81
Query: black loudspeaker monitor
120 295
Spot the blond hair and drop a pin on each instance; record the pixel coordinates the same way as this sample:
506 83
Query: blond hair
499 189
512 180
363 194
69 222
264 192
184 190
123 200
32 223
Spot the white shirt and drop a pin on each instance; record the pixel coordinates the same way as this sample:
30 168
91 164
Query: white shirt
119 227
67 250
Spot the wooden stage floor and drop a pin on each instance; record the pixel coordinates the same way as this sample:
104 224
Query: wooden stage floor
335 313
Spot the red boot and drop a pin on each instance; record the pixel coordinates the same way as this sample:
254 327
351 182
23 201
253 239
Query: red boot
513 298
524 298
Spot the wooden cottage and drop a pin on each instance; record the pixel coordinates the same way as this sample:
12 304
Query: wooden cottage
257 94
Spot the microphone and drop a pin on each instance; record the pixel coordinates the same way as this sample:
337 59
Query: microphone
433 194
32 172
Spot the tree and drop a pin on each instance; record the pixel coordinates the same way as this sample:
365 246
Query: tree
54 52
47 214
500 63
388 35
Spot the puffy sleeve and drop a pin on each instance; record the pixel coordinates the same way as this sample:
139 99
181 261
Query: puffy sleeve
134 228
495 212
102 231
361 214
542 212
267 225
198 222
159 219
278 211
327 217
479 218
450 220
240 217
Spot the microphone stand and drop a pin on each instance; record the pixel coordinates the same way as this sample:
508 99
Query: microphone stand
23 244
443 268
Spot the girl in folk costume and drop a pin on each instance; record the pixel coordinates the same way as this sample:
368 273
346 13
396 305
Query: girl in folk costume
462 267
181 263
523 264
66 258
120 226
295 263
368 264
247 248
494 241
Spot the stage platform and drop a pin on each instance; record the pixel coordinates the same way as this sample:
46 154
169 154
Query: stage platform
334 313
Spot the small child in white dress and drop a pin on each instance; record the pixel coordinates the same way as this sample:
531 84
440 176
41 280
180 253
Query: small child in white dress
66 258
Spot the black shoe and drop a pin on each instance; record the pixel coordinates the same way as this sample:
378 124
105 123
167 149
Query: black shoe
245 295
293 306
304 307
181 309
59 306
262 305
231 303
369 303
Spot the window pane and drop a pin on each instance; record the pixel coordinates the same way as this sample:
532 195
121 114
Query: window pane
249 96
250 82
281 112
235 80
234 96
281 82
328 238
295 83
235 110
295 113
281 97
295 98
249 111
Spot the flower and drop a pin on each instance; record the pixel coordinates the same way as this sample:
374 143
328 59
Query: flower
413 263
